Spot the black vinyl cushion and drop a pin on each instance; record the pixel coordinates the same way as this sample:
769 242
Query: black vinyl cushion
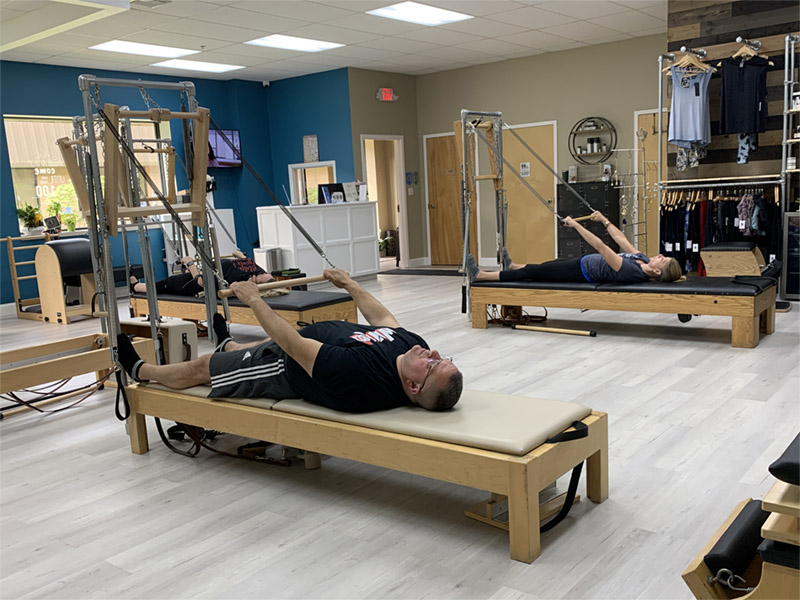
294 300
708 286
787 467
730 247
737 546
779 553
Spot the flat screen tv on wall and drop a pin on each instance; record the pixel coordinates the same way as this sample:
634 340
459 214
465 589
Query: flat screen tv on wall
219 152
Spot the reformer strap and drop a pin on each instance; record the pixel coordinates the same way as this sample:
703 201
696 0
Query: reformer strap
581 430
271 194
123 414
755 281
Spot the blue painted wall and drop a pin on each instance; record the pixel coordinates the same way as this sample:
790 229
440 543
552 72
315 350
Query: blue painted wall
313 104
45 90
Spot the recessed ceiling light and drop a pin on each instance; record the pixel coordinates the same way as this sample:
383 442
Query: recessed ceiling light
288 42
413 12
196 65
143 49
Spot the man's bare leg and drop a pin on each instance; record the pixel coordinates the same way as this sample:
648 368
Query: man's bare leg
178 376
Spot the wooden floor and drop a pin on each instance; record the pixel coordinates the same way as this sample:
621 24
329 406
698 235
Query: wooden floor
693 422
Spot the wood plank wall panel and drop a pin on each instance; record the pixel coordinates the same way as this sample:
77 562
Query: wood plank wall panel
713 25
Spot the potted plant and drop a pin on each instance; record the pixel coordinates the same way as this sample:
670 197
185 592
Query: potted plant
70 221
31 219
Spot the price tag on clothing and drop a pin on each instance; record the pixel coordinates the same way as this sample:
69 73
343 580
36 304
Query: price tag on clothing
668 246
688 244
695 247
772 258
736 222
677 247
742 223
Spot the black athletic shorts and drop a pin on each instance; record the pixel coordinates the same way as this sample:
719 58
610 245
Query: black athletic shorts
257 372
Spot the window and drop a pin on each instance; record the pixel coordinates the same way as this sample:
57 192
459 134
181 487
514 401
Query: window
38 173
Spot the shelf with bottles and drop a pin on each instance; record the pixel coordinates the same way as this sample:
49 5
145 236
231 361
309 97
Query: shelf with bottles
592 150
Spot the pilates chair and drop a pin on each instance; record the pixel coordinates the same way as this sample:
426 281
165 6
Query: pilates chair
57 262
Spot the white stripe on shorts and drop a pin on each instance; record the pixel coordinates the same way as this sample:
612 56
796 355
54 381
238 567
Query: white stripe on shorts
249 374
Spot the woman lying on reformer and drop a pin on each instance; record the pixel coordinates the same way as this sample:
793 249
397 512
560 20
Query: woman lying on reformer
630 266
190 283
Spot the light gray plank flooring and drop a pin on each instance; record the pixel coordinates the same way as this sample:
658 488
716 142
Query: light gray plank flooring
694 424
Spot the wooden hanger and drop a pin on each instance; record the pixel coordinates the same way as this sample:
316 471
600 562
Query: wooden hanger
746 52
690 63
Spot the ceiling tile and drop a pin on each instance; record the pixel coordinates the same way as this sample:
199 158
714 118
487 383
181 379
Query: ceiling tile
531 17
315 12
457 53
356 5
63 42
185 74
525 53
535 39
324 33
373 24
227 59
580 30
68 60
582 9
180 8
483 27
435 35
659 12
17 55
359 51
476 8
492 47
399 45
630 21
332 62
22 6
205 30
176 40
251 20
136 18
640 4
8 14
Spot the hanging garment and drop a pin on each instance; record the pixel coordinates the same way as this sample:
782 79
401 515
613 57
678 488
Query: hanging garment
743 95
744 210
689 119
758 220
748 142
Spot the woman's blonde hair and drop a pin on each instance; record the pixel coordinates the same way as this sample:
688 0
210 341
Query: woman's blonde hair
672 272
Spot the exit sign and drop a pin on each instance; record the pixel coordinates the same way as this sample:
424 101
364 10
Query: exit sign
386 94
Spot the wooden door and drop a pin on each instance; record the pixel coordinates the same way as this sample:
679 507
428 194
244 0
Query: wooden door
647 234
530 232
444 200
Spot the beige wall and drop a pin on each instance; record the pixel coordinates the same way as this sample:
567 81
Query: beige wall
609 80
369 116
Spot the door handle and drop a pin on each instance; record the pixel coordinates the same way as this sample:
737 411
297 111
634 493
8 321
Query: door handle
431 206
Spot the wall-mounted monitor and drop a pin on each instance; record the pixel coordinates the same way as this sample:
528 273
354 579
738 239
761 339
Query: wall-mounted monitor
219 152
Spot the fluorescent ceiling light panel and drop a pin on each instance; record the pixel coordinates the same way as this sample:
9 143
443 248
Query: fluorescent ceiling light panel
143 49
413 12
288 42
196 65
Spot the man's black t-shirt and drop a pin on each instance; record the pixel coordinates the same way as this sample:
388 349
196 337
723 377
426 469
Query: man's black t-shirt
239 269
356 368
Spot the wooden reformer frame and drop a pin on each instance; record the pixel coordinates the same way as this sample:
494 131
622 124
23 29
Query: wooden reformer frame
520 478
751 315
60 360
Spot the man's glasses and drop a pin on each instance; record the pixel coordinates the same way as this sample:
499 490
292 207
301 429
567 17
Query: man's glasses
432 362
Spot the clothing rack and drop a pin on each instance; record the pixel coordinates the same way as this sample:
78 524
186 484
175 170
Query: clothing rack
694 184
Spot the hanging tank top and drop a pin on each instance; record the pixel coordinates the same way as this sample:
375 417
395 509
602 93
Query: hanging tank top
689 119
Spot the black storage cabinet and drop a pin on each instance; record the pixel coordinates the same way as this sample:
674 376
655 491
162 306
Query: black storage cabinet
603 197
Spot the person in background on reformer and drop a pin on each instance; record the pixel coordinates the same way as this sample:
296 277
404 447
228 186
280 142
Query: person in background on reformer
629 266
190 283
340 365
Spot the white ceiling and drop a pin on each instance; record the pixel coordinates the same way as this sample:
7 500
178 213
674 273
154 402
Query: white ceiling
501 29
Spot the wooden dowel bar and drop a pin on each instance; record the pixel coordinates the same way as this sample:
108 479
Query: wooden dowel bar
579 219
25 262
556 330
278 284
31 247
26 277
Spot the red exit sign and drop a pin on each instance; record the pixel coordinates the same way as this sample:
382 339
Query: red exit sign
386 94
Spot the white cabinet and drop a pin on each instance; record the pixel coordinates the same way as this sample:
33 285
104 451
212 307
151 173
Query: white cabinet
347 233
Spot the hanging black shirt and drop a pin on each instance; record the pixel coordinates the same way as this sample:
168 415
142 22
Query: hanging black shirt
743 95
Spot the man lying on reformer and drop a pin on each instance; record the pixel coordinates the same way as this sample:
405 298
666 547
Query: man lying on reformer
336 364
629 266
190 282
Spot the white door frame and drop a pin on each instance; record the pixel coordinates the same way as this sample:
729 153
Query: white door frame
555 179
429 258
400 156
294 193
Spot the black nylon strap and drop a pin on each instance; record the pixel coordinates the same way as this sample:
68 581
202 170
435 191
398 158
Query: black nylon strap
581 431
568 501
126 408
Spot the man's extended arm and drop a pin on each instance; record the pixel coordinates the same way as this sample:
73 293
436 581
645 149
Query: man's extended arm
374 312
614 232
301 349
